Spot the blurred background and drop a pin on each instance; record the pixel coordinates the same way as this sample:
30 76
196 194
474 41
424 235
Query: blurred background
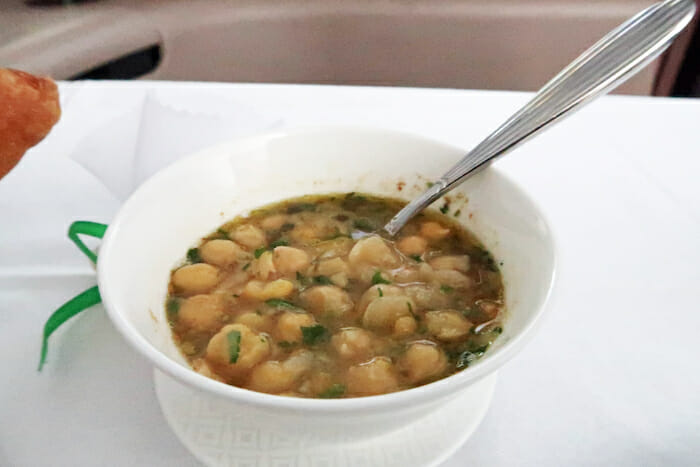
481 44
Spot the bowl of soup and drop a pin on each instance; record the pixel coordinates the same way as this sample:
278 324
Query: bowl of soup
257 271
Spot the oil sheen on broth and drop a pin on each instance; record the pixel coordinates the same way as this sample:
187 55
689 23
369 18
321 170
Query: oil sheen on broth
307 298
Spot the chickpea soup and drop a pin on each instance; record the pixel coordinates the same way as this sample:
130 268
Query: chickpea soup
309 298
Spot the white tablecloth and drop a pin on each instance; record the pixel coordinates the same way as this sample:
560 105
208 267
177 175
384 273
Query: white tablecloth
612 378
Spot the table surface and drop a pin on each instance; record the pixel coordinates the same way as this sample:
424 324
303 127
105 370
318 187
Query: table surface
611 378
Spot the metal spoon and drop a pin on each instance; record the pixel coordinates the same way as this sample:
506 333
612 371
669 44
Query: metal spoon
610 62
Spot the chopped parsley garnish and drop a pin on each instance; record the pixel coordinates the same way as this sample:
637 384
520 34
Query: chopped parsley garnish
497 330
245 266
222 233
315 334
299 207
429 184
379 290
410 307
234 345
258 253
286 344
458 212
280 242
322 280
416 258
279 303
446 289
193 255
363 224
465 358
172 306
333 392
445 207
378 279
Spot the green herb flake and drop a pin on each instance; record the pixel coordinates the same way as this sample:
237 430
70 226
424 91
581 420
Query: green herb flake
410 307
222 233
323 280
193 256
286 227
379 290
416 258
333 392
286 344
467 357
315 334
299 207
378 279
234 345
458 212
172 307
497 330
258 253
445 208
429 184
280 242
279 303
245 267
236 295
446 289
363 224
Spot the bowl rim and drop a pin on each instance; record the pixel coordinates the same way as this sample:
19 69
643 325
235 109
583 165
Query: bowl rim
435 390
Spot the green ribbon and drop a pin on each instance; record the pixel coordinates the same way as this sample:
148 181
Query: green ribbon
82 301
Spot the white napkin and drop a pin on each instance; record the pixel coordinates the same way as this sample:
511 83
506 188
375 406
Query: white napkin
148 131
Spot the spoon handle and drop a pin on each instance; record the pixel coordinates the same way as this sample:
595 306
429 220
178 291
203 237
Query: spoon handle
608 63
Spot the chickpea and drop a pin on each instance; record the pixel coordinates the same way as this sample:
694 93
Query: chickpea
196 278
253 348
422 361
304 233
433 231
374 292
202 312
318 382
290 260
412 245
221 252
324 299
352 343
406 275
254 321
273 222
447 325
340 279
404 326
249 236
456 262
299 362
271 377
329 267
452 278
373 251
381 314
289 326
275 377
257 290
264 266
426 297
340 246
374 377
200 366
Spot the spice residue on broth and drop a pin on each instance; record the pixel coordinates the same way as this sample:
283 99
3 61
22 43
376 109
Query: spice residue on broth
309 298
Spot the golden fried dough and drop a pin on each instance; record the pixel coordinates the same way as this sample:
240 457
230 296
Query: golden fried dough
29 108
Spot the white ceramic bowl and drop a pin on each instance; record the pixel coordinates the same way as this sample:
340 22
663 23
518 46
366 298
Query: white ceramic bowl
192 197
